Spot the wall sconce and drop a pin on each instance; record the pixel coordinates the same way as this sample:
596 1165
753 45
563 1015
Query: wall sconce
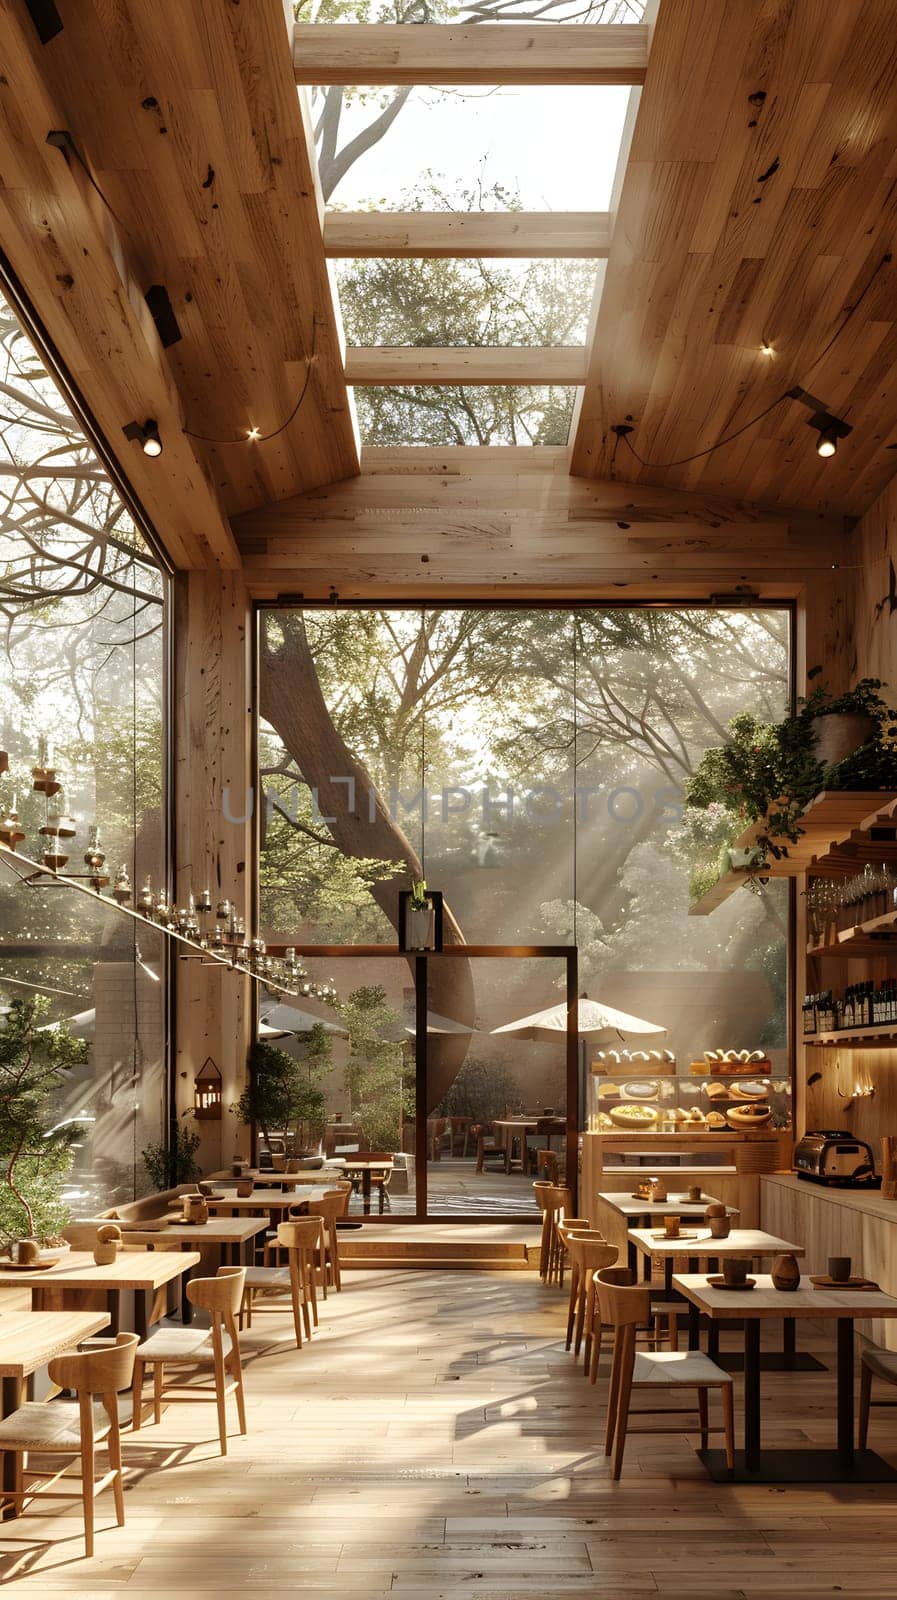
207 1092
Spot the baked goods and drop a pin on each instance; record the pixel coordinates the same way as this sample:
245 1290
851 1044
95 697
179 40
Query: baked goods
640 1089
716 1120
753 1116
634 1118
716 1091
608 1089
749 1089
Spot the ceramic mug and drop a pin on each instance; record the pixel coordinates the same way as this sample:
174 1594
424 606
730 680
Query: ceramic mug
839 1268
695 1193
735 1270
671 1227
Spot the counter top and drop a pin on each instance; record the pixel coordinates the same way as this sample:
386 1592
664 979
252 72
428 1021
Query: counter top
867 1201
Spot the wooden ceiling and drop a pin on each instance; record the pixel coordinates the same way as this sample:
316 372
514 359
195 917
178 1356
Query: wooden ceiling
185 116
759 205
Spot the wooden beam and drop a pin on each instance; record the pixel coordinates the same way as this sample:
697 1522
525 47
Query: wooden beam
521 234
441 53
512 524
398 364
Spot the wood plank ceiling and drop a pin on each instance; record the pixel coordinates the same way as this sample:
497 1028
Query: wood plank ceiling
759 207
185 116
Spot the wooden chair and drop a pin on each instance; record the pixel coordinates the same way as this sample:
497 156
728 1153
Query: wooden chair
488 1148
555 1200
588 1252
299 1239
438 1129
548 1166
623 1308
217 1346
327 1209
880 1364
75 1428
663 1326
459 1136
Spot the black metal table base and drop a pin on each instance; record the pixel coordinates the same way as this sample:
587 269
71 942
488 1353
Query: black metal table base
772 1361
800 1466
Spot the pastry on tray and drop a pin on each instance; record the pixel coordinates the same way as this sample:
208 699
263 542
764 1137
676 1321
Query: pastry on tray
608 1089
753 1116
716 1120
640 1089
749 1089
634 1118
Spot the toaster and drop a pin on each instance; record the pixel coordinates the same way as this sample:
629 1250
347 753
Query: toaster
835 1156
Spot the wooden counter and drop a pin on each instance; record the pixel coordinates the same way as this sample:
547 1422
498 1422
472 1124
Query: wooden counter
837 1222
730 1164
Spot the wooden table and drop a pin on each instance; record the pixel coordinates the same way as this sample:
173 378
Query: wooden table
141 1271
638 1211
269 1200
762 1303
283 1180
750 1244
233 1236
509 1129
28 1340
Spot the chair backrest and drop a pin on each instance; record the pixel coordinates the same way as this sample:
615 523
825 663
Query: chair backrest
595 1253
299 1235
622 1304
102 1371
557 1197
329 1207
570 1225
221 1294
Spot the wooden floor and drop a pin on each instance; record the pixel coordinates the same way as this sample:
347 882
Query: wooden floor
435 1440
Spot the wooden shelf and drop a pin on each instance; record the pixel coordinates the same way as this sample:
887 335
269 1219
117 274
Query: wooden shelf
880 1036
874 937
836 838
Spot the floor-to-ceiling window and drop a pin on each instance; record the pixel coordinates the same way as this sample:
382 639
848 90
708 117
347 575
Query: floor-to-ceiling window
530 764
82 691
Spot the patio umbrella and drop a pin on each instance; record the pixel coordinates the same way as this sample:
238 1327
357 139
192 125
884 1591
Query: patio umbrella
600 1022
280 1019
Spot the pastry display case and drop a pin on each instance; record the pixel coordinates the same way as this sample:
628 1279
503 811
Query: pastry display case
722 1092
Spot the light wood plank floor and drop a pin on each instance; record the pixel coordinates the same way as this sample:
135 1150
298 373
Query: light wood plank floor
435 1440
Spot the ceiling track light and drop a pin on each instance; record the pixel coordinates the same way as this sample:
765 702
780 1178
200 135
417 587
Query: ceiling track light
829 428
146 434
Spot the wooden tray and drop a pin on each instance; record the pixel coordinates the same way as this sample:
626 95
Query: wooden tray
658 1233
28 1266
820 1280
719 1282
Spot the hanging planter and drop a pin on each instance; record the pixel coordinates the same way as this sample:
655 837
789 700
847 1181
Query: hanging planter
420 918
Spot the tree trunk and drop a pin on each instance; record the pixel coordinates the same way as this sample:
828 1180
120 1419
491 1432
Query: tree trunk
290 699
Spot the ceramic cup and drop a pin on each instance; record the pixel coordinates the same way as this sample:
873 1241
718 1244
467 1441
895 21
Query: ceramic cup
735 1270
839 1268
719 1227
671 1227
695 1193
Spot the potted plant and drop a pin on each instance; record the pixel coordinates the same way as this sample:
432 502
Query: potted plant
840 724
171 1162
35 1147
420 921
278 1093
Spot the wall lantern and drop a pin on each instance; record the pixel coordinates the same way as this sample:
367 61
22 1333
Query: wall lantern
207 1092
420 918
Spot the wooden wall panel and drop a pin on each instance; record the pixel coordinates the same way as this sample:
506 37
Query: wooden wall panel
212 776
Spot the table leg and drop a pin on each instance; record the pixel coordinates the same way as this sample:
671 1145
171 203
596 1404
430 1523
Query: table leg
845 1393
366 1191
752 1393
632 1257
713 1339
694 1327
668 1275
186 1307
789 1342
11 1396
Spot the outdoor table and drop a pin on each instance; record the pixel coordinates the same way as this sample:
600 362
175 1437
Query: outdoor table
28 1340
510 1129
637 1211
75 1274
753 1464
362 1165
746 1244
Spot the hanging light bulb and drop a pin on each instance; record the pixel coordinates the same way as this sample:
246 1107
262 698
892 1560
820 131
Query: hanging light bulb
827 443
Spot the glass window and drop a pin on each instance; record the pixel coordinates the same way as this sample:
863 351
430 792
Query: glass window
461 302
482 414
83 604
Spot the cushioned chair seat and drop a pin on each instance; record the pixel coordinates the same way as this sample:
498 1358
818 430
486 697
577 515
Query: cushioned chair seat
882 1362
55 1426
666 1367
181 1344
267 1277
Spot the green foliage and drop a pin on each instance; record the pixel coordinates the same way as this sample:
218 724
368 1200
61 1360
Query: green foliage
35 1156
482 1091
379 1080
170 1162
279 1092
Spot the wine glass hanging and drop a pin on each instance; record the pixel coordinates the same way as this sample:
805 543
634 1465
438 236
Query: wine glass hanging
214 929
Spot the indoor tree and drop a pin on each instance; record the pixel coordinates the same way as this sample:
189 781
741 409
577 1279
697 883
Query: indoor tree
279 1094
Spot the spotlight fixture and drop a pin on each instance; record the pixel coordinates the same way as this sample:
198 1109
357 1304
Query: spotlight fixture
253 434
146 434
829 428
766 349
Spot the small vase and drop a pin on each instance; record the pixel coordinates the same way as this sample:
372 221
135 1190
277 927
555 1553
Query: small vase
419 928
785 1273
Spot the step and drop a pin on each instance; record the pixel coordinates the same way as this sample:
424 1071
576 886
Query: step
354 1245
393 1263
